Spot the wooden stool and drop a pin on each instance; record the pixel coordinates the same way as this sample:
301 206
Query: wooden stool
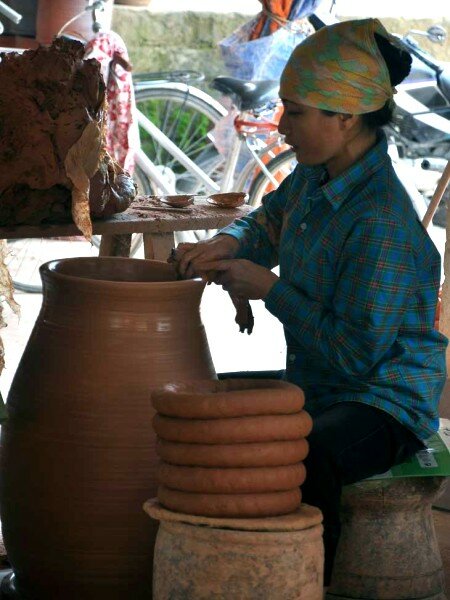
199 558
388 548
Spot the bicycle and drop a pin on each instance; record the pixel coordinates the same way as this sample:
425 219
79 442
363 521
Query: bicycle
178 154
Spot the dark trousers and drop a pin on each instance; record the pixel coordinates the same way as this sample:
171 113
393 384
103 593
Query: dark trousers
350 441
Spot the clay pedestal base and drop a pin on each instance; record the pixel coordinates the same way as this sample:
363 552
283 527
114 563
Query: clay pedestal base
388 548
199 558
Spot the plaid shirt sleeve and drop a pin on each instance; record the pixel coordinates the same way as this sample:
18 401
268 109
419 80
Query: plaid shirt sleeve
375 281
259 232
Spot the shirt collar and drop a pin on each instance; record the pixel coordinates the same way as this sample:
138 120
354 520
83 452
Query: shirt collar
338 189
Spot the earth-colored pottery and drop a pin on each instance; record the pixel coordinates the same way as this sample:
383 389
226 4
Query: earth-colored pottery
265 454
249 480
78 450
388 546
228 398
231 505
234 430
200 558
228 199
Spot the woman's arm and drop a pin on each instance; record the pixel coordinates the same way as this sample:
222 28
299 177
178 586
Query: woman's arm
254 237
258 233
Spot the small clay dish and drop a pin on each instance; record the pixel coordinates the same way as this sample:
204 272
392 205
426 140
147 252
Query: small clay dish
228 200
178 201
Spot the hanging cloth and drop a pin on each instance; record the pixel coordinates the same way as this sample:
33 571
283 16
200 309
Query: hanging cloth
274 13
281 13
122 135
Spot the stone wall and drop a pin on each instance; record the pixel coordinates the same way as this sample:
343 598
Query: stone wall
177 40
189 40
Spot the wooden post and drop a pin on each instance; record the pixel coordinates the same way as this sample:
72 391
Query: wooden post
444 319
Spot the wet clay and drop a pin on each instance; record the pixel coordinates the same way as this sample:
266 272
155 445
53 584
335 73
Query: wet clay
231 481
78 453
54 95
234 430
264 454
228 398
230 505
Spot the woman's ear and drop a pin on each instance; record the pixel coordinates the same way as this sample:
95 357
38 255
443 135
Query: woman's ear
347 121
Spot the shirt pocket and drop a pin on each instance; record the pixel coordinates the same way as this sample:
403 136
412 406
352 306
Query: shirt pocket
318 275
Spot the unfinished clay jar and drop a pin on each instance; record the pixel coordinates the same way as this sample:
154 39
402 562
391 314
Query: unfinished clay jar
228 398
240 506
234 430
249 480
264 454
78 453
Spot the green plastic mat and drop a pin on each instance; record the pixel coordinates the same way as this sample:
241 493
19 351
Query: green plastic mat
434 460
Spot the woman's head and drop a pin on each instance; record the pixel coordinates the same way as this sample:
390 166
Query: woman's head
337 88
349 67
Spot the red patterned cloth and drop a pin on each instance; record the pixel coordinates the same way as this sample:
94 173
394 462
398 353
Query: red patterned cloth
122 138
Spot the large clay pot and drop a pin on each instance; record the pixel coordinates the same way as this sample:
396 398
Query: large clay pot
78 453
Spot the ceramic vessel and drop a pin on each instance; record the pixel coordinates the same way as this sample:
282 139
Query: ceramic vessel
243 480
228 398
78 451
200 558
402 560
265 454
266 504
231 448
238 430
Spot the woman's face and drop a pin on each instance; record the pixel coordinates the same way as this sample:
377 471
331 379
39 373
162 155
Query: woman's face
315 137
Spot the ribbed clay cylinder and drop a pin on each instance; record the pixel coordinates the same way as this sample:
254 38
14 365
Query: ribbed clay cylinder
78 451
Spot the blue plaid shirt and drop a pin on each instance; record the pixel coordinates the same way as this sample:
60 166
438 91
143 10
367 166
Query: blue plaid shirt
357 293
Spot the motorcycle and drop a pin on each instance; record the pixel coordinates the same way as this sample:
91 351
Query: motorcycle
419 135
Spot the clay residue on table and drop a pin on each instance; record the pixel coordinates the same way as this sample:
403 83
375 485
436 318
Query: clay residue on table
200 208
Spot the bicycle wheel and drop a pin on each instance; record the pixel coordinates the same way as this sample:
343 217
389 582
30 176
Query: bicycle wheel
279 167
187 116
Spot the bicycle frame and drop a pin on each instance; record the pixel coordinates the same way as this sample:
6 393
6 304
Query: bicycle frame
150 169
246 133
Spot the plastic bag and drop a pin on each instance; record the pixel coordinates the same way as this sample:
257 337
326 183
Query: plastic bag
264 57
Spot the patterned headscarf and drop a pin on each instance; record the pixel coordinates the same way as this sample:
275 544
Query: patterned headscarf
339 68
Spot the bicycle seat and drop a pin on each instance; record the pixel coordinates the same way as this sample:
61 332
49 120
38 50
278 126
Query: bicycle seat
247 94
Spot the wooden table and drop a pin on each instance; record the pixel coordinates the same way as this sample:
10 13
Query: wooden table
157 226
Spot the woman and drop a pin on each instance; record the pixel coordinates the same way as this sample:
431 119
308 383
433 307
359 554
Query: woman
359 276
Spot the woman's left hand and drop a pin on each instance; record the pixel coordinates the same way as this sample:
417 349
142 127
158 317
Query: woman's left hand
240 277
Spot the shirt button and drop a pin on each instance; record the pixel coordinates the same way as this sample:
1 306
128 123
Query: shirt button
303 226
291 357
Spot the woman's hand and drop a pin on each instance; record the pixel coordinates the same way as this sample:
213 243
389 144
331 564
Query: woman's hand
240 277
188 257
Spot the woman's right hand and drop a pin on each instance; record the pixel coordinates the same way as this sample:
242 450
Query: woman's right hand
189 257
